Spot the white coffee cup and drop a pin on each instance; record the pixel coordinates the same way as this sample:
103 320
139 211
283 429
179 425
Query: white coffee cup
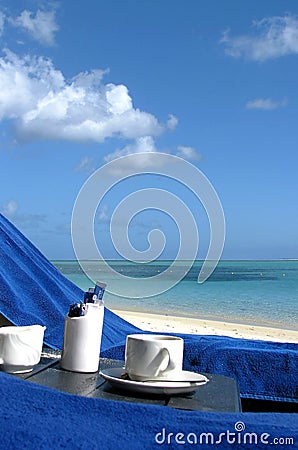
153 357
20 347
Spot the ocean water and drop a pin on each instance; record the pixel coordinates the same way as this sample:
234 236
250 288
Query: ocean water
251 292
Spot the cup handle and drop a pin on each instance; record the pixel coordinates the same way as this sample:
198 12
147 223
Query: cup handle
165 360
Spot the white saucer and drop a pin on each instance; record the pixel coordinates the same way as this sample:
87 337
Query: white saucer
114 374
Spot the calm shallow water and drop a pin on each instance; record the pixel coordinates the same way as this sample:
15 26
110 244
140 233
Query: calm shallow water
254 292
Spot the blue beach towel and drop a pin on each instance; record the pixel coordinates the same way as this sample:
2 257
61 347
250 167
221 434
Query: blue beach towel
264 370
36 417
32 290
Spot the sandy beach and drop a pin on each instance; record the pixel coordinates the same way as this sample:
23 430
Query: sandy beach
166 323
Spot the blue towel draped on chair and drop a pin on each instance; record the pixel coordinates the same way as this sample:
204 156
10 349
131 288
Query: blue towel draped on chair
35 417
32 290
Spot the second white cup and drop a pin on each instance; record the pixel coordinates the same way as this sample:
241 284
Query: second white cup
153 357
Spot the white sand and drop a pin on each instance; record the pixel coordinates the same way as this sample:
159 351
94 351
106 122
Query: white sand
165 323
189 325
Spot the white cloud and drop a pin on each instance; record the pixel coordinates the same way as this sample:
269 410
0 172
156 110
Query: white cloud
85 165
188 153
44 105
271 38
172 122
24 83
103 214
147 161
41 26
2 22
10 209
29 220
144 144
118 99
265 104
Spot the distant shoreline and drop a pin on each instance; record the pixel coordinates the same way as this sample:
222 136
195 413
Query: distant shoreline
201 318
180 260
189 325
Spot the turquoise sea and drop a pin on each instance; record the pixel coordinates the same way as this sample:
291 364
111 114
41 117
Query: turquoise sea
251 292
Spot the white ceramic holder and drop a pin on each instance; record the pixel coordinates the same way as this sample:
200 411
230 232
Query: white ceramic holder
82 339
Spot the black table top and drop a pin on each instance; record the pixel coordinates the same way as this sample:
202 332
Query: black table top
220 394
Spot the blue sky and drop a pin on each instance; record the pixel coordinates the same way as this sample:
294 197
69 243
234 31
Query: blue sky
214 82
